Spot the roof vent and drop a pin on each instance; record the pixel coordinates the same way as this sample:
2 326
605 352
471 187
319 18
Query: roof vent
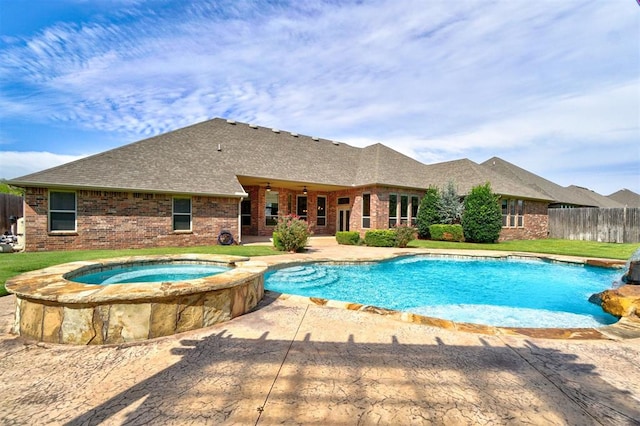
315 138
219 147
336 143
253 126
231 121
275 130
295 135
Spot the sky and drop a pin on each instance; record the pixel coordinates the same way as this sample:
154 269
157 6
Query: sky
551 86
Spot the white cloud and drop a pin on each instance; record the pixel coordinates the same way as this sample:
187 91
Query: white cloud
15 164
435 80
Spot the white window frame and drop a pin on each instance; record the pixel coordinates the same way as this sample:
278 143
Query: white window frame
268 209
414 205
394 210
367 217
174 214
324 216
514 215
404 215
74 211
304 215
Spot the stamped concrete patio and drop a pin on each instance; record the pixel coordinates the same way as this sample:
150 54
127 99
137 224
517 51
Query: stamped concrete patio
295 362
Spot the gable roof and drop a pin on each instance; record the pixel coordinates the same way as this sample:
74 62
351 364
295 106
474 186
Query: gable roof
597 200
626 197
466 174
212 157
553 191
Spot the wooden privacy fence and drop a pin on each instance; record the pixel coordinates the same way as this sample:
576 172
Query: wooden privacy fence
10 205
615 225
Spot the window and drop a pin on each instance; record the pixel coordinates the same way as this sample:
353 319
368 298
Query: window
415 203
366 210
301 207
271 209
322 211
62 211
512 213
245 212
182 214
404 209
393 210
343 201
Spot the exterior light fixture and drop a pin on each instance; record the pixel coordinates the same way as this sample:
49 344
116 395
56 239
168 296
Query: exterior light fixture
268 187
304 191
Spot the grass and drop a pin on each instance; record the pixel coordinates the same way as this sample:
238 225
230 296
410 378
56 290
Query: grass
550 246
17 263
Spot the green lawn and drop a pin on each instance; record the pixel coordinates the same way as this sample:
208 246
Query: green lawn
566 247
12 264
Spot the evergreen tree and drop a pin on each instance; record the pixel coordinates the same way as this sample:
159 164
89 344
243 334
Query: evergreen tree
482 219
450 207
428 212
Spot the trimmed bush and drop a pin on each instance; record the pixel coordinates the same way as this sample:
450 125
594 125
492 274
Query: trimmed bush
350 238
482 219
446 232
380 238
276 242
428 212
404 235
291 234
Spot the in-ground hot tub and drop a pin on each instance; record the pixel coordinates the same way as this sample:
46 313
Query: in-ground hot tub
51 307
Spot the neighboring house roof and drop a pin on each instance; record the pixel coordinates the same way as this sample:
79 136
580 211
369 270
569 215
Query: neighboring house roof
626 197
466 174
553 191
598 200
214 156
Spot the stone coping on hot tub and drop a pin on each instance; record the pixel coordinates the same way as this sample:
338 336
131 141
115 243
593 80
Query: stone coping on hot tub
52 309
50 284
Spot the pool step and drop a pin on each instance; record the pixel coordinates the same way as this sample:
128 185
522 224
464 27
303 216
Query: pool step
305 276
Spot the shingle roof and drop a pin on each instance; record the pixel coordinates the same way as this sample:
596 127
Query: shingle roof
466 174
626 197
209 157
553 191
187 160
597 200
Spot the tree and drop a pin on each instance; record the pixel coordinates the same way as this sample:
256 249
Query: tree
8 189
450 207
482 218
428 212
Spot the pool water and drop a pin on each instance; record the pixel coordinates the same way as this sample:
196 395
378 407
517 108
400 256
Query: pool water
499 292
151 273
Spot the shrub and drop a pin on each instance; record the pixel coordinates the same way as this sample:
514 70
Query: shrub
291 234
443 232
351 238
404 235
450 207
428 212
380 238
482 219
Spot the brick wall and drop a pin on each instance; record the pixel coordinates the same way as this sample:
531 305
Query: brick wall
536 223
115 220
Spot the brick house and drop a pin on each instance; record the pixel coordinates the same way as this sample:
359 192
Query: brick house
187 186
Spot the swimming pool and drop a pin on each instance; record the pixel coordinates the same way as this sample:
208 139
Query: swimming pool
500 292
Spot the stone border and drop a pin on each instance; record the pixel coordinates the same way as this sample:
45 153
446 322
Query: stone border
53 309
625 328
